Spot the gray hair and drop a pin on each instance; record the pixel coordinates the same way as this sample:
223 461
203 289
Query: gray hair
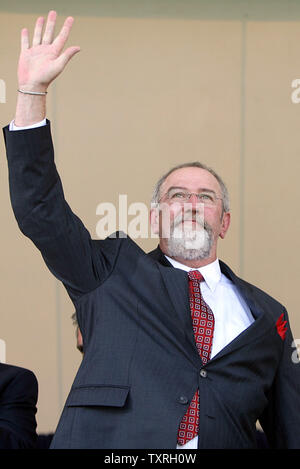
196 164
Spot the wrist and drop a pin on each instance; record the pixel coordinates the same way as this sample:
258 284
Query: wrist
33 93
33 88
30 109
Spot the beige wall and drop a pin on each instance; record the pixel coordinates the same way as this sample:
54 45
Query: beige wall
153 87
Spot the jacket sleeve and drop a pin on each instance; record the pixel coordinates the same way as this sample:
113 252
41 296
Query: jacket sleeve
44 216
281 419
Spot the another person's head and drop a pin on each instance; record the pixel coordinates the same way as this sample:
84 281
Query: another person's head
79 339
190 211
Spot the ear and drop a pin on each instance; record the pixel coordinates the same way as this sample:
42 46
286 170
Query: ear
225 224
154 219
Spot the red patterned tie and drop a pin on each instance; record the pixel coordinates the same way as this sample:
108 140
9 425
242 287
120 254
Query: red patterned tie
203 326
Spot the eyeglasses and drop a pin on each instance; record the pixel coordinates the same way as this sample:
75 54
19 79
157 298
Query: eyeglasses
181 196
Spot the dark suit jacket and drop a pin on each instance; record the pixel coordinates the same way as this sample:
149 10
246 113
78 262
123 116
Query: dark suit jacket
141 366
18 398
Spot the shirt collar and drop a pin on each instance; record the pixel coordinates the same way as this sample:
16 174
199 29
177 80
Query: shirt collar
211 272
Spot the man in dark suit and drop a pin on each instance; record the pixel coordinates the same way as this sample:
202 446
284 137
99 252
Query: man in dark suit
18 398
168 361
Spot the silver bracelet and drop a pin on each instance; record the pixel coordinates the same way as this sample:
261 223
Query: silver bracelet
34 92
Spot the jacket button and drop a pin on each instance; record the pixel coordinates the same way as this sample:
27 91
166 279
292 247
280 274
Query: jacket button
203 373
183 400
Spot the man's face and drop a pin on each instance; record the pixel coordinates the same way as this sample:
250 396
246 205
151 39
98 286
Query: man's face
189 227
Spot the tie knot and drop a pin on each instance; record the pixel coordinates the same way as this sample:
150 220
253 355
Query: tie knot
195 275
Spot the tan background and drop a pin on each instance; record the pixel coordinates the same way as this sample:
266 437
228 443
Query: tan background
157 83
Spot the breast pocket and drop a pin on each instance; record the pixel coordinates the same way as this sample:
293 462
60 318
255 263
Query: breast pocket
98 395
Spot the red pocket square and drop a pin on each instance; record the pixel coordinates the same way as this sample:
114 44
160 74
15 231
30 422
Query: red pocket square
281 326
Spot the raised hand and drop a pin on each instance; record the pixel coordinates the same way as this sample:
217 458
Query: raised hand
41 63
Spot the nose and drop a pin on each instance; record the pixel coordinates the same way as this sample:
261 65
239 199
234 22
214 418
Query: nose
193 200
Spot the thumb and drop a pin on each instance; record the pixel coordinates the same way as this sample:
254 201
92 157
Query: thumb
66 56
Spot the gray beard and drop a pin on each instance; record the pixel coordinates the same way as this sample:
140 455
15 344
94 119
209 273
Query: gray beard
190 244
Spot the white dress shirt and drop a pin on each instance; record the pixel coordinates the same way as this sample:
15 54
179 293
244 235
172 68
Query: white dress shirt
12 125
232 314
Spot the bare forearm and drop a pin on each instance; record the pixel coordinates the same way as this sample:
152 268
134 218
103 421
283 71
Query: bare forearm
30 109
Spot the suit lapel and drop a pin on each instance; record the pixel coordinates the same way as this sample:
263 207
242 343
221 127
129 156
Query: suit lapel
262 321
176 283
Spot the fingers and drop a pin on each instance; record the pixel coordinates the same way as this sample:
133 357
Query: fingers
50 27
38 31
37 35
24 39
61 39
67 55
47 38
